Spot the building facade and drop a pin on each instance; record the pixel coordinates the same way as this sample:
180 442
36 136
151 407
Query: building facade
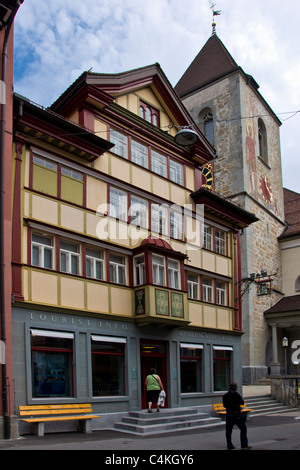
123 257
226 104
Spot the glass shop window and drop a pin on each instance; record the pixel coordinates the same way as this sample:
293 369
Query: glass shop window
108 359
190 368
222 368
51 363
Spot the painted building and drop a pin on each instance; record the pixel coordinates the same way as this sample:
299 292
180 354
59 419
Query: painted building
284 317
226 104
8 10
123 256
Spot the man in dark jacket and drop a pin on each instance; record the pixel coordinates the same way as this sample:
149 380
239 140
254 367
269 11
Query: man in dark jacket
232 401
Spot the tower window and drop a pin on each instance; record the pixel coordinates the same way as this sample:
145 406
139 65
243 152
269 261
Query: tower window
262 141
207 125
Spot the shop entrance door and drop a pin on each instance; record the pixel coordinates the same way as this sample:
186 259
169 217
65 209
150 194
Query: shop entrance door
153 355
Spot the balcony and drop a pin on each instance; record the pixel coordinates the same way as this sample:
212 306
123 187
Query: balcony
160 306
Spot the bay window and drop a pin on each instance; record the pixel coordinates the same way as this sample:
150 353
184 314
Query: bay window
158 270
139 270
174 274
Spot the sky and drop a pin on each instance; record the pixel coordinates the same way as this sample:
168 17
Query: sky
57 40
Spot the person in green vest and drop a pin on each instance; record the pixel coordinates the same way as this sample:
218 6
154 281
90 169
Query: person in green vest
153 386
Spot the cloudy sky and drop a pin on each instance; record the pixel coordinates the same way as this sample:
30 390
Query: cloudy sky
56 40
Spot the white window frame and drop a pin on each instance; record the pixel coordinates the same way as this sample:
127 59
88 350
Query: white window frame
139 270
139 212
42 247
116 268
121 143
193 286
220 241
174 274
176 225
158 270
159 163
159 219
70 256
176 172
118 204
221 293
139 153
94 262
207 290
208 237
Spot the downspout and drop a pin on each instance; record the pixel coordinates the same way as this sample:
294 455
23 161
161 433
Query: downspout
2 194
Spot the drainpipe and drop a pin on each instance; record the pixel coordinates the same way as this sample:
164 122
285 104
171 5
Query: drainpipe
7 26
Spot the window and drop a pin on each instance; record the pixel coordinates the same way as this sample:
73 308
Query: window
221 293
139 154
190 367
262 141
117 268
71 185
220 240
207 242
120 141
159 219
158 270
206 121
44 176
173 274
108 358
297 284
193 286
69 258
94 264
158 163
51 363
149 113
139 270
176 228
118 204
176 172
42 253
207 290
139 212
222 367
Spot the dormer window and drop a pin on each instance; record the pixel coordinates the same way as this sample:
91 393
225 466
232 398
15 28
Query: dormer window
149 113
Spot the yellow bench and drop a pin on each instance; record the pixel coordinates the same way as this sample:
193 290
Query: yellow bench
37 415
221 410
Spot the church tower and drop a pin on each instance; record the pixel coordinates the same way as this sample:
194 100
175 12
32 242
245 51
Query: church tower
226 104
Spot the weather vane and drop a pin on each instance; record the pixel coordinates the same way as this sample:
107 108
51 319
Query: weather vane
214 13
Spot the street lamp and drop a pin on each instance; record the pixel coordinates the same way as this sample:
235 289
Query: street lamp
285 343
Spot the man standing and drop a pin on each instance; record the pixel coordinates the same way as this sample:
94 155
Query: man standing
232 401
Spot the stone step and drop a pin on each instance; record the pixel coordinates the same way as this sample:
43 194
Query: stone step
264 405
168 420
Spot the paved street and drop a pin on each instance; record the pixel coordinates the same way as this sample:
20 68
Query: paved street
277 432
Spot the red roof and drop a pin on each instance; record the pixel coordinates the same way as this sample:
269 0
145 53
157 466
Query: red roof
292 213
157 242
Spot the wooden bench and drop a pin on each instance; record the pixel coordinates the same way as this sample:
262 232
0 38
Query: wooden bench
37 415
221 410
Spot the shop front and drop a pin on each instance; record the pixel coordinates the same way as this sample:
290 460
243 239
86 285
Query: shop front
63 358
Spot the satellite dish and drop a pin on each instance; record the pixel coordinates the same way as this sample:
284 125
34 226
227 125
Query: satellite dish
186 137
